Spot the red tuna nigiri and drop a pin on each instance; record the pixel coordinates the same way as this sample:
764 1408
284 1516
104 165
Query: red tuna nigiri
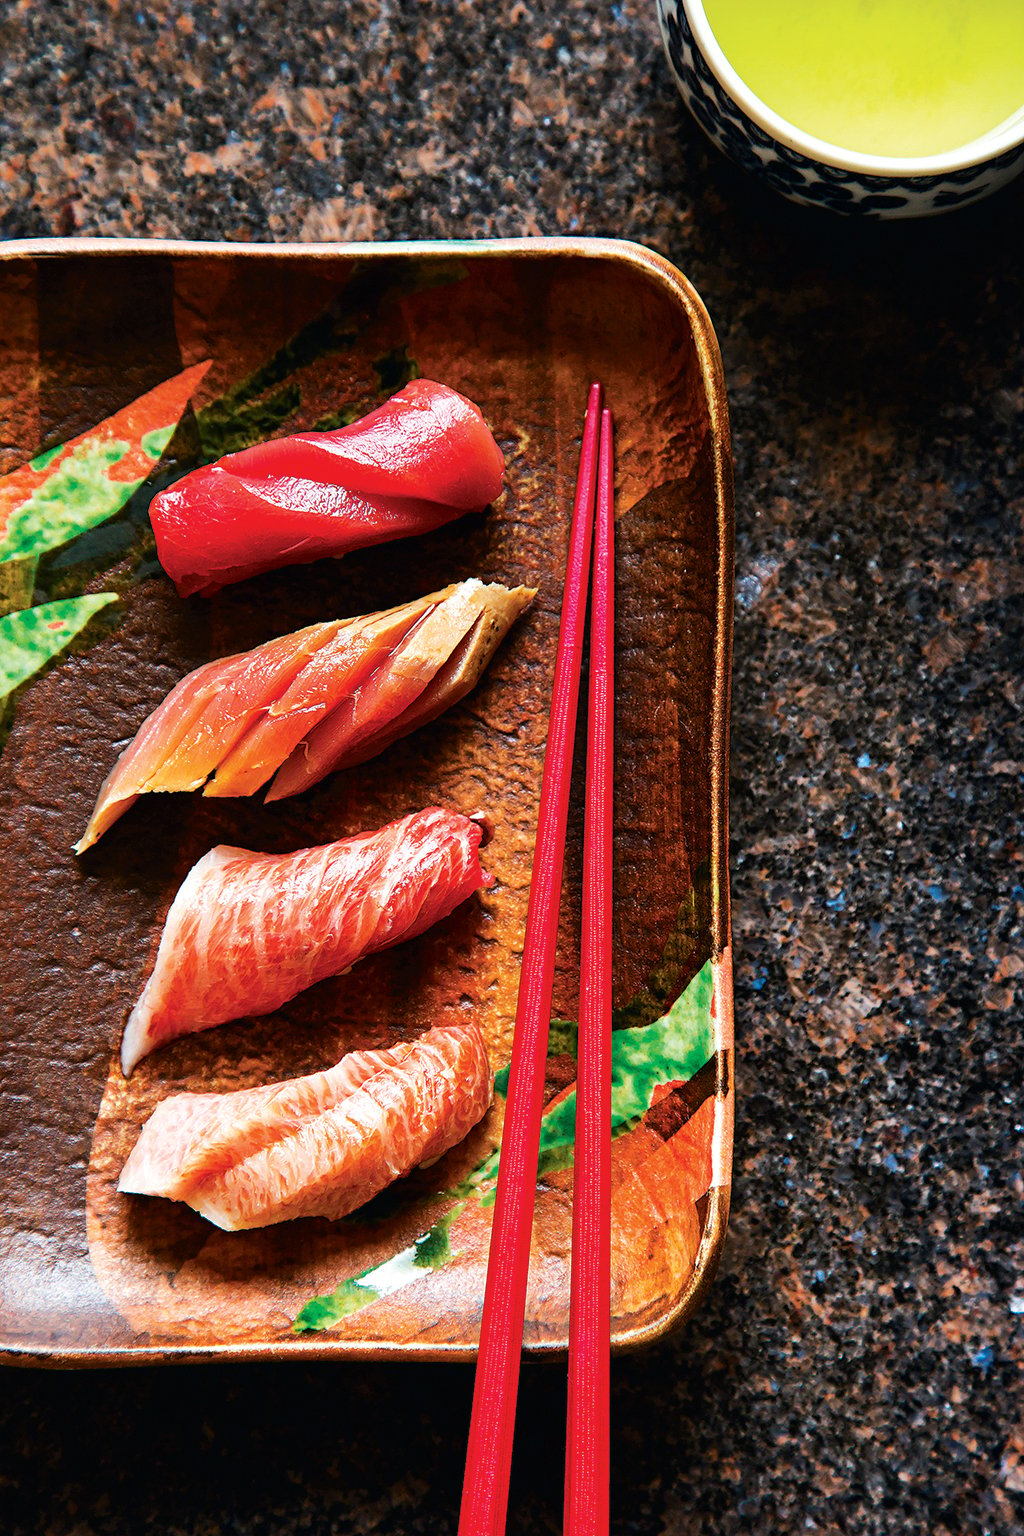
247 931
423 458
365 681
319 1145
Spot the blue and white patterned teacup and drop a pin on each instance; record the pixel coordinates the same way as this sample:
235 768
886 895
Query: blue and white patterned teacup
807 169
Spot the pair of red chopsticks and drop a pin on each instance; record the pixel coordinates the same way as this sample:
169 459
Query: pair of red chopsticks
485 1491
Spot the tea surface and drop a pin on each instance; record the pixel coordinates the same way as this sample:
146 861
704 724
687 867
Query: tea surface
887 77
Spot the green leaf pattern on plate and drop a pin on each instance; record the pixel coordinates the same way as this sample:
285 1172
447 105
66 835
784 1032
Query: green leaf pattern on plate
31 638
68 489
672 1050
61 494
76 496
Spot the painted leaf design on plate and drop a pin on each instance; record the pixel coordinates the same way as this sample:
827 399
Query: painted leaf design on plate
671 1050
68 489
30 638
17 583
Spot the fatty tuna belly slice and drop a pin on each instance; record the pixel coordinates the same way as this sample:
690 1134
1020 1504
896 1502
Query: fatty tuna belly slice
424 457
248 931
319 1145
231 724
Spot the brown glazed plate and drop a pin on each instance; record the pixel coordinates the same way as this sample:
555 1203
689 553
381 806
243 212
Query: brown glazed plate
94 338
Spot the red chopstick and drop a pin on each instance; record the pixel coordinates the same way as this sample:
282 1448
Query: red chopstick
587 1447
489 1456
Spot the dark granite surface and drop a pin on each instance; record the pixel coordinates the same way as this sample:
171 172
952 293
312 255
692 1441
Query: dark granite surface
857 1366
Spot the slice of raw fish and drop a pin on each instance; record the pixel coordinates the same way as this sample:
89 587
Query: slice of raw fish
319 1145
240 719
190 1136
455 679
247 931
233 704
335 672
158 737
424 457
350 732
451 682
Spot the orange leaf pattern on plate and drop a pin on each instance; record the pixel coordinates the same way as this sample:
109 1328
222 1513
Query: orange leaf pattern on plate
66 490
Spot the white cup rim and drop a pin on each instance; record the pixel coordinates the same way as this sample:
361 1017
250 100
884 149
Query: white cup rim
1006 135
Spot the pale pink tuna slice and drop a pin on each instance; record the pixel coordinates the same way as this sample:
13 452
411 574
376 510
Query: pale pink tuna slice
317 1146
459 675
193 1135
334 673
248 931
350 732
200 719
233 723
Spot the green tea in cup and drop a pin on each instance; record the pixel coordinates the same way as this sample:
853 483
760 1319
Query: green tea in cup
900 78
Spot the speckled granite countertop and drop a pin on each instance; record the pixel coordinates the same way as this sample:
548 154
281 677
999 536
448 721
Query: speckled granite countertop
857 1367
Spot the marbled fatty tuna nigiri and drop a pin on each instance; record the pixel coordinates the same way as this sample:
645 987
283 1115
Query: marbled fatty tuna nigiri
319 1145
248 931
232 724
424 457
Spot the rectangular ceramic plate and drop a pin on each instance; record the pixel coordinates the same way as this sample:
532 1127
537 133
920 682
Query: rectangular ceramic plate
300 336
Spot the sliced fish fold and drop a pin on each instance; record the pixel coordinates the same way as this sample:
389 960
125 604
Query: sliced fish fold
424 457
306 704
314 1146
303 705
248 931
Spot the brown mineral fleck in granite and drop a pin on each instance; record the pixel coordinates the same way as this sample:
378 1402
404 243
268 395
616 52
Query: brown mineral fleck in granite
857 1366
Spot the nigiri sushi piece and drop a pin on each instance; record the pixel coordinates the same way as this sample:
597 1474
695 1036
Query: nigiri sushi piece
319 1145
465 629
424 457
232 724
248 931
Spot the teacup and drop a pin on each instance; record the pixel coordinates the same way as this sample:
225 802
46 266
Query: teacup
810 170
